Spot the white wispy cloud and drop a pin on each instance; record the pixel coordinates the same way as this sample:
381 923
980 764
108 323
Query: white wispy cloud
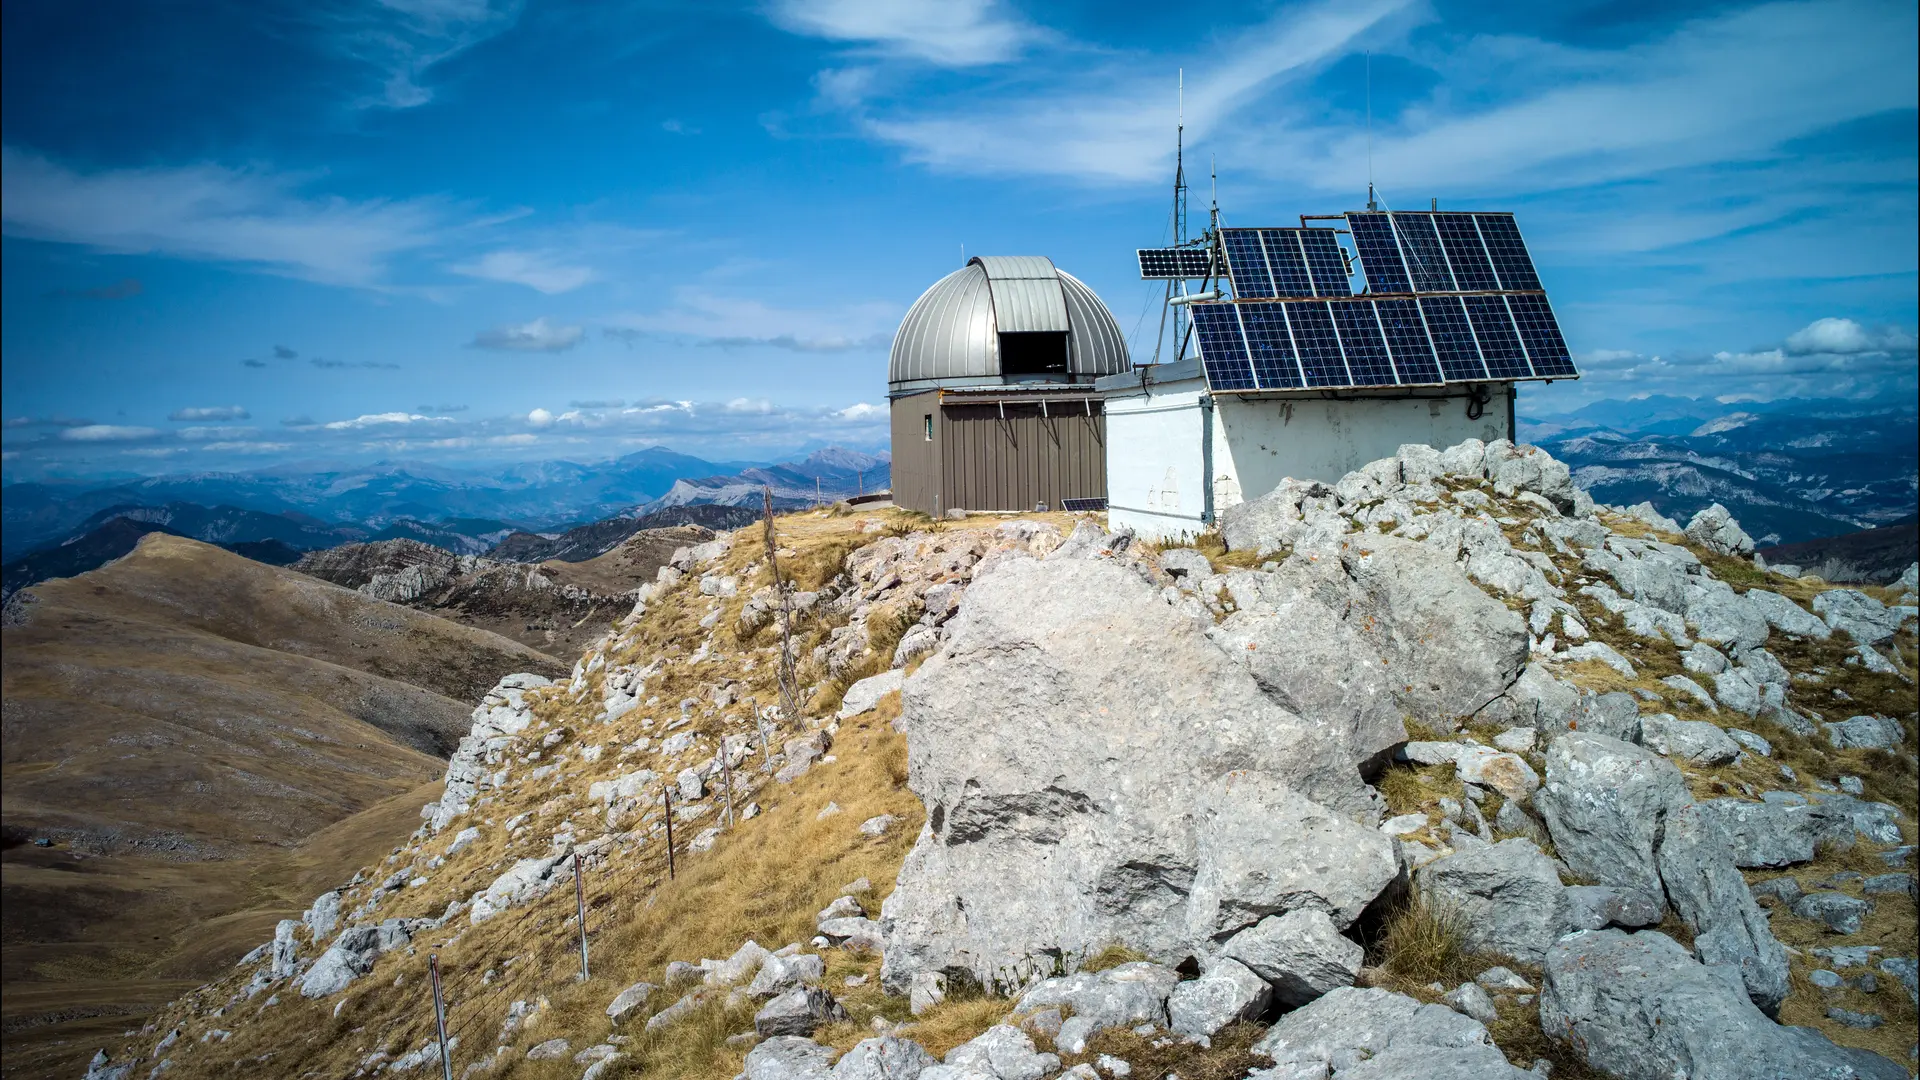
249 216
216 431
536 336
950 33
402 40
733 321
386 419
1844 337
215 412
107 433
541 271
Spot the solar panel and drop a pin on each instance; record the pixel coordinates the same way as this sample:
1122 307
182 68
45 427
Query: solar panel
1079 506
1361 340
1407 342
1286 262
1176 263
1246 263
1510 259
1499 343
1425 259
1270 346
1452 338
1223 349
1471 268
1379 253
1319 347
1540 333
1325 264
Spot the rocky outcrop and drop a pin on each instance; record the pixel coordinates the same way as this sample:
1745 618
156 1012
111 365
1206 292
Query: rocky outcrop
1392 1034
1508 895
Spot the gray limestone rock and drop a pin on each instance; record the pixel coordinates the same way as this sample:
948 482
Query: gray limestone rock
780 974
324 915
1716 530
1615 715
1123 996
1595 907
629 1002
1301 953
1786 616
1535 700
799 1011
1002 1051
1172 842
1717 613
1351 1029
1509 894
1712 898
1514 821
1640 1008
1470 999
888 1057
865 694
285 948
1227 991
1864 619
1605 803
1696 742
1760 834
789 1057
550 1050
1266 525
1905 970
1865 732
1704 659
1839 912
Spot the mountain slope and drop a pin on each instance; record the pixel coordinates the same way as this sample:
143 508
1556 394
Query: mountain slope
176 720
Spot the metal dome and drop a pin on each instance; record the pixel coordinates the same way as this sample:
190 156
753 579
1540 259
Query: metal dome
951 335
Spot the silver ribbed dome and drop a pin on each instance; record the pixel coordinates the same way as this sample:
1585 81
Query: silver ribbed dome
951 335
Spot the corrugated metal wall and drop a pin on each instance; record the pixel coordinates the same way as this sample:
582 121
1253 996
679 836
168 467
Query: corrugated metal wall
916 479
988 462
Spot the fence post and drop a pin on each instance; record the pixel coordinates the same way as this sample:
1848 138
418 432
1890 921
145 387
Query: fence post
580 905
789 681
440 1016
726 772
667 793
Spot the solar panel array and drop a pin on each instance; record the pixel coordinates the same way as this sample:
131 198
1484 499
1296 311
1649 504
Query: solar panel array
1452 297
1161 264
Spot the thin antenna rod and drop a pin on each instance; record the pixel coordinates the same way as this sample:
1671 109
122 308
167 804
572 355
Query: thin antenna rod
1372 204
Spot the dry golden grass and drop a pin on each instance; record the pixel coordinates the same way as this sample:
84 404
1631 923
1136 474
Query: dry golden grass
1421 941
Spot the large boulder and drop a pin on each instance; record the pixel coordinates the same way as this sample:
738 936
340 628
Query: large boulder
1124 996
1639 1008
1509 894
1300 953
1130 783
1696 865
1605 803
888 1057
1227 991
1716 530
789 1057
1765 834
1381 1034
1267 524
1865 620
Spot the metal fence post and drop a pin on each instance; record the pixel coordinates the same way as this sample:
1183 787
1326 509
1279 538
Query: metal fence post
440 1016
726 772
667 793
580 905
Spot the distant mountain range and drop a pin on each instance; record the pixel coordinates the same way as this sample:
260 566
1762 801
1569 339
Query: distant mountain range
1791 471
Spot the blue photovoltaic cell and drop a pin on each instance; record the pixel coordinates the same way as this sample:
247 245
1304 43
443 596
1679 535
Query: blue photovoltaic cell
1360 336
1452 338
1246 265
1407 340
1324 263
1540 333
1285 263
1499 344
1379 253
1318 346
1270 346
1510 259
1421 246
1471 270
1175 263
1223 352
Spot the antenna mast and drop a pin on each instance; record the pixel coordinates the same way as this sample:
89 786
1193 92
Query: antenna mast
1372 203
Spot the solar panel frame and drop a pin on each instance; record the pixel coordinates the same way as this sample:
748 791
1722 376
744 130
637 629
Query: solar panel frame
1512 264
1466 255
1247 264
1362 342
1325 263
1317 344
1084 505
1223 347
1379 252
1499 342
1175 264
1405 334
1540 333
1452 336
1276 366
1425 258
1286 263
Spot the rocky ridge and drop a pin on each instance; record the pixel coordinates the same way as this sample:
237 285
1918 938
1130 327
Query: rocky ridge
1448 683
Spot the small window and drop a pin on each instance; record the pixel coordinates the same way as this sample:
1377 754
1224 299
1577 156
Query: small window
928 420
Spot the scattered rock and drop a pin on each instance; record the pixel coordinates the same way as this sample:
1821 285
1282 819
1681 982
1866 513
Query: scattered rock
1605 803
1712 898
1509 894
1301 953
1839 912
799 1011
549 1050
1595 907
1394 1036
1226 992
789 1057
1004 1052
1471 1000
887 1057
629 1001
1716 530
864 695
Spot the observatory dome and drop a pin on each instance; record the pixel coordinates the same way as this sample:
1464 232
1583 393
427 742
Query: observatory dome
1005 320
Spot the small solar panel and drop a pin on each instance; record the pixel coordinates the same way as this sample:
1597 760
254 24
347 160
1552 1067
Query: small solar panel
1270 346
1325 264
1177 264
1379 253
1361 340
1499 343
1246 263
1540 333
1407 342
1286 262
1426 260
1511 263
1452 339
1471 268
1223 349
1080 506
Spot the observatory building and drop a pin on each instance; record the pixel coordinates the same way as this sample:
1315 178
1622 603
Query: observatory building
1301 374
991 387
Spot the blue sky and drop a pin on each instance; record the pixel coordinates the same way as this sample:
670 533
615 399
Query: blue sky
240 235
